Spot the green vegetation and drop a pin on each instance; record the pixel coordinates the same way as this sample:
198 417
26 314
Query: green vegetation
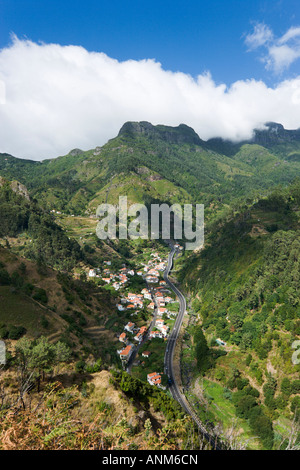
14 211
35 359
247 285
154 363
149 395
155 164
243 286
60 421
49 244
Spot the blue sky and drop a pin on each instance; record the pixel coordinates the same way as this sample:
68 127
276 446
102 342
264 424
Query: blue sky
72 72
188 36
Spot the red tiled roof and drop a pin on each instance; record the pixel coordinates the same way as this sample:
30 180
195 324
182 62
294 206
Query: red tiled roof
153 374
154 378
126 350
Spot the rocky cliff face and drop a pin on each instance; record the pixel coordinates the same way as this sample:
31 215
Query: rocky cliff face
20 189
272 135
16 187
181 134
275 134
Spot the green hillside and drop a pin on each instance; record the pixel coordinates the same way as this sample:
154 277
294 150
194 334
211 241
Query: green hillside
245 288
242 288
161 162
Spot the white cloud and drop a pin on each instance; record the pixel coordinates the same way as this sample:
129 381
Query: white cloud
58 98
281 57
261 35
281 52
292 33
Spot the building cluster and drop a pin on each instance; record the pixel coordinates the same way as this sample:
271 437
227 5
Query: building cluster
153 295
161 300
152 269
161 330
138 334
116 280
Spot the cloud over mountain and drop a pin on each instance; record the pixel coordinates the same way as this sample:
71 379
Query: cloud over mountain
54 98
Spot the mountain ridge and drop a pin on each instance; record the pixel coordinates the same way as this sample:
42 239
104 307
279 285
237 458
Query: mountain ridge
180 134
205 170
273 134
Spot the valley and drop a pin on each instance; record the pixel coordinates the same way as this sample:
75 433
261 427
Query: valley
199 337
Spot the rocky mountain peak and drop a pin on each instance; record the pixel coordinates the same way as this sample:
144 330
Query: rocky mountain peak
181 134
275 133
16 186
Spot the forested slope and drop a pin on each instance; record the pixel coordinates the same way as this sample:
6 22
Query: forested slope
245 285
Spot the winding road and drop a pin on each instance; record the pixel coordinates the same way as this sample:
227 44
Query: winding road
169 354
170 348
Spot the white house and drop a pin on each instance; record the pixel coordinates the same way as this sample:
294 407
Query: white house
161 311
160 325
155 334
154 378
152 279
129 327
126 353
122 337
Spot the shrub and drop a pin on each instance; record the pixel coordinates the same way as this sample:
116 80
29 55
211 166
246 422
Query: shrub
15 332
40 295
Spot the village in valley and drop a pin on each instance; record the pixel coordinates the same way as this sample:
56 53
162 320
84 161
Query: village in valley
149 311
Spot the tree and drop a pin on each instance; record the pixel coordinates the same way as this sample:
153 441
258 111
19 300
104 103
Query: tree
201 350
147 426
286 386
244 404
35 359
269 387
22 357
62 352
248 360
246 341
262 426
